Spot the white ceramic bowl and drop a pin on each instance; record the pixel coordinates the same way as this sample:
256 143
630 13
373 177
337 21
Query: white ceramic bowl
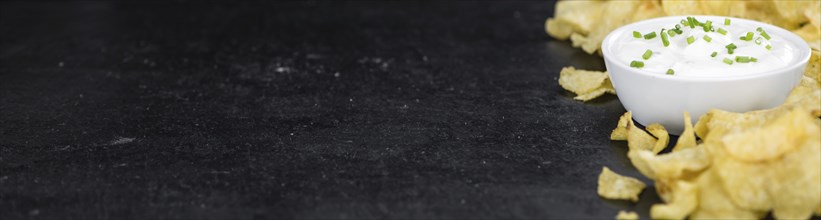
660 98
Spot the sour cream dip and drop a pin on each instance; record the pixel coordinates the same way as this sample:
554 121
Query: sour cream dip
702 51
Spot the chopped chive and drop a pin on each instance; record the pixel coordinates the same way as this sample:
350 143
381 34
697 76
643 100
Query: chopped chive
753 59
664 38
670 32
649 36
678 26
696 22
749 36
637 64
722 31
742 59
670 72
768 47
742 38
679 31
647 54
730 48
636 34
728 61
691 22
691 39
758 40
708 26
708 38
685 23
726 21
713 54
763 33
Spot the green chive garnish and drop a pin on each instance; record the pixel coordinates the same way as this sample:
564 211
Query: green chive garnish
664 38
728 61
708 26
647 54
685 23
763 33
636 34
749 36
726 21
691 22
637 64
768 47
713 54
670 32
753 59
758 40
722 31
742 59
670 72
649 36
708 38
691 39
730 48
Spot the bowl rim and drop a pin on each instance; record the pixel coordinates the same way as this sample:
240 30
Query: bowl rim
804 50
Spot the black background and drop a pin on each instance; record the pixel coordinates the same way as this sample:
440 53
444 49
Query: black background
298 109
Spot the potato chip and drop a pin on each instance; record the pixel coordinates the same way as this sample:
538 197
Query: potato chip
764 11
620 132
811 34
676 165
678 7
647 10
612 18
805 89
797 193
661 134
732 8
615 186
687 138
714 202
683 200
586 84
813 14
638 139
641 163
792 11
772 140
745 183
814 66
627 215
573 17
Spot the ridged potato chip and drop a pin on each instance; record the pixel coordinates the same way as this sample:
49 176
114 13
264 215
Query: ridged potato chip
715 203
683 199
620 132
627 215
792 11
661 134
687 139
678 7
585 83
573 17
731 8
615 186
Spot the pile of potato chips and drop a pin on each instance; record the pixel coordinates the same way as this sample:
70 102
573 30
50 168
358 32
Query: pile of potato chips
586 23
728 165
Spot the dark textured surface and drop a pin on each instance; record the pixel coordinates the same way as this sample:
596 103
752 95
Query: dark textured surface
336 110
